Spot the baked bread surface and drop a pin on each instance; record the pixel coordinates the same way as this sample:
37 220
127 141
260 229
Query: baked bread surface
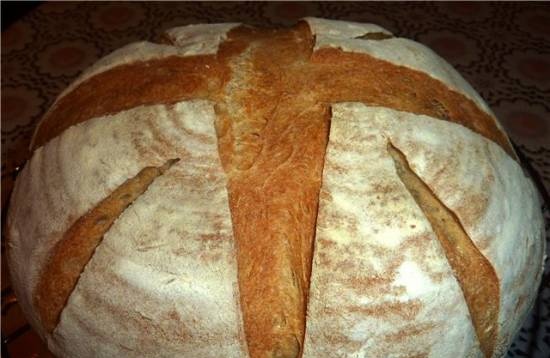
327 190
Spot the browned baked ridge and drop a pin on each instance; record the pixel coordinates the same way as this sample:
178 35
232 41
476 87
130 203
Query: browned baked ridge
273 97
75 249
474 273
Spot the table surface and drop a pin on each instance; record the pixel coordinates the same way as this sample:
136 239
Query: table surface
502 49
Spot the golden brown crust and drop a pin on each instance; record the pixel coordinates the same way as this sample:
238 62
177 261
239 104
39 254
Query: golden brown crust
72 253
273 154
353 77
474 273
158 81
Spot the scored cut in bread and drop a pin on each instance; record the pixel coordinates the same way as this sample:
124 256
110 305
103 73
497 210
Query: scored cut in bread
327 190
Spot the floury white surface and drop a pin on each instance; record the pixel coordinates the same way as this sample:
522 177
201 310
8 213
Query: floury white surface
167 267
379 271
141 137
200 39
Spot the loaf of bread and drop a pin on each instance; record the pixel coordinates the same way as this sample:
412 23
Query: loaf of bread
327 190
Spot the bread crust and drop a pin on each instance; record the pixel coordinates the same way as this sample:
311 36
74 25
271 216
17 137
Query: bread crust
74 250
272 92
474 273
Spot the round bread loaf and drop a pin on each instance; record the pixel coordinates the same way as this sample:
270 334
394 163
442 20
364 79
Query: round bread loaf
327 190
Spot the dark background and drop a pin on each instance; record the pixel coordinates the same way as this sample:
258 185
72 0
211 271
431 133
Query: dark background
13 10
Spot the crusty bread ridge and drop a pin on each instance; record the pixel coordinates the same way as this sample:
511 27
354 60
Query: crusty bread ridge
288 228
79 242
